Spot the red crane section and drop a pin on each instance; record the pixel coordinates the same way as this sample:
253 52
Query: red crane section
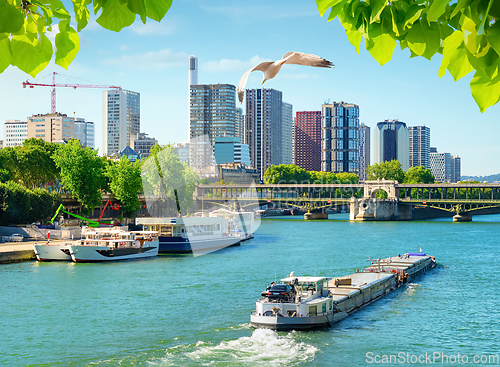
54 85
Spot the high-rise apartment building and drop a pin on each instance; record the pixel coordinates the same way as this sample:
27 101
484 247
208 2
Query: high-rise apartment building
364 151
212 115
239 130
181 150
51 127
286 134
391 142
121 120
419 144
441 166
340 137
308 140
15 132
85 132
456 171
263 134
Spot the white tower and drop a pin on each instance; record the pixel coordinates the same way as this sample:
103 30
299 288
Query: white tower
193 70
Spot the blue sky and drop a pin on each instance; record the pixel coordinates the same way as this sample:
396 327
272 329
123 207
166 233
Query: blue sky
229 37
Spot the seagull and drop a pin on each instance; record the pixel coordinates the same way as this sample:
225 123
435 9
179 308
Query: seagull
270 68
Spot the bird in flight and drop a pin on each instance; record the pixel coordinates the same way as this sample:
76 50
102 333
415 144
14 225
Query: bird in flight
270 68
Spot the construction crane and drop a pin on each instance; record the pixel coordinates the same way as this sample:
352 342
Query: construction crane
54 85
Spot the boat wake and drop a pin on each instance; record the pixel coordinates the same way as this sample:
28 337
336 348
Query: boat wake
263 347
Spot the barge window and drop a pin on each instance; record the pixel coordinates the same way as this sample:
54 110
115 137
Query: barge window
313 310
323 307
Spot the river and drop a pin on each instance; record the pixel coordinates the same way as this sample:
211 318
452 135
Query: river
195 311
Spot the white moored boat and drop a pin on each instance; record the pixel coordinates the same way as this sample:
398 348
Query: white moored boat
52 251
115 245
301 303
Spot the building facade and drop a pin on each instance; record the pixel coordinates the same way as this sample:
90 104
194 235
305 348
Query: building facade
391 142
181 150
15 132
51 127
308 140
456 170
263 133
340 137
121 120
143 145
212 115
286 134
364 151
441 166
85 132
239 130
231 150
419 146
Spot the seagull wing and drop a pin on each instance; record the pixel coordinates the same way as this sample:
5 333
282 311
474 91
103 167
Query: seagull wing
301 58
243 81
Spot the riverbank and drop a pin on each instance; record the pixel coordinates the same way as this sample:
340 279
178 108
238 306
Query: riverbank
12 252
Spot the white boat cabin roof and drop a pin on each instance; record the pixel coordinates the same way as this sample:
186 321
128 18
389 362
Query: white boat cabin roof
304 279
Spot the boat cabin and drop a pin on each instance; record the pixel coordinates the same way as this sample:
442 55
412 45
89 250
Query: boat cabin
198 227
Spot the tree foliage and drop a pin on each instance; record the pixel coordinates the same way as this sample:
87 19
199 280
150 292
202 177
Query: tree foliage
163 173
293 174
126 183
24 26
419 175
389 170
466 33
82 172
30 164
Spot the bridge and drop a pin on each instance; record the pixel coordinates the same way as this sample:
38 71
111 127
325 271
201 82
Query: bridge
463 200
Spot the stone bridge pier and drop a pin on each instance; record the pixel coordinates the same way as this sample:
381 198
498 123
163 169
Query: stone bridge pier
370 208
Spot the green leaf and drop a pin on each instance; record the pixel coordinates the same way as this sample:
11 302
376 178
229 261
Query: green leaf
424 39
31 56
336 9
5 54
67 44
377 7
323 5
436 9
354 38
412 15
450 45
11 18
459 65
493 37
470 35
460 5
486 92
138 7
381 47
115 16
81 13
156 10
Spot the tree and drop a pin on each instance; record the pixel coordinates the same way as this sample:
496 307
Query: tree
163 174
285 173
82 172
416 175
466 33
31 164
24 24
386 170
126 183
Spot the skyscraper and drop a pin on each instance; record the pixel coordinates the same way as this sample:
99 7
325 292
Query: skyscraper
391 142
286 134
441 166
340 137
308 140
456 172
212 115
193 70
263 134
51 127
364 150
239 130
419 143
121 120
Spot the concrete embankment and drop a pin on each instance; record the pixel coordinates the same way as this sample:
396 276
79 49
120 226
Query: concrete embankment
11 252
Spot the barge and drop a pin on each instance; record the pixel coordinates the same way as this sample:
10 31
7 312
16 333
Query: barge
304 303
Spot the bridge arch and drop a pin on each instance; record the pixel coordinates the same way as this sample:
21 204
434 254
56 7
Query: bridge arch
372 187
